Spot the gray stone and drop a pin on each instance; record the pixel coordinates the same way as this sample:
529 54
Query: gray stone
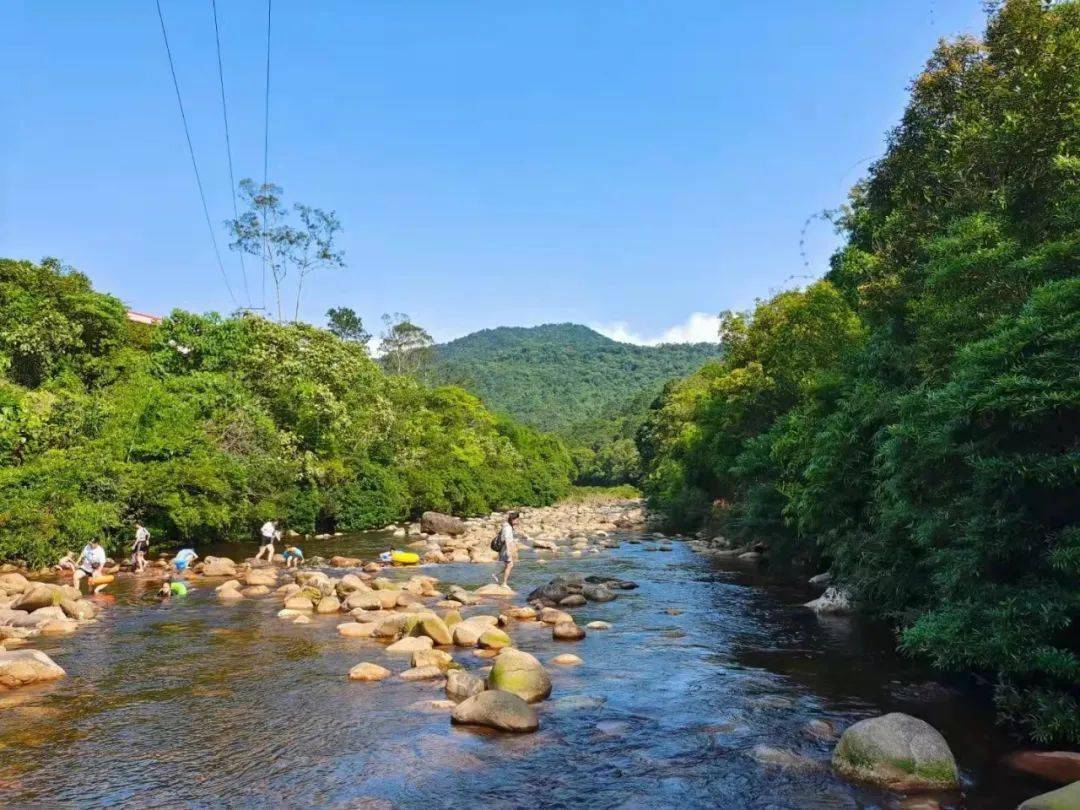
898 752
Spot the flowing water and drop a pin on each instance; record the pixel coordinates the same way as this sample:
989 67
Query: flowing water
203 704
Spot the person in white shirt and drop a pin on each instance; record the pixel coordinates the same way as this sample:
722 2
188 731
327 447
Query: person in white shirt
91 561
270 533
139 548
508 552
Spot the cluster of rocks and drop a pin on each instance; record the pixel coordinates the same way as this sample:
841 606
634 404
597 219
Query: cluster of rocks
563 529
29 609
720 546
421 621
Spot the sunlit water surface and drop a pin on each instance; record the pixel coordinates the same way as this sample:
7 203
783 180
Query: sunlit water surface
203 704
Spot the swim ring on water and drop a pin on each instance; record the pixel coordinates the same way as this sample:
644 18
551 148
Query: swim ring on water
404 557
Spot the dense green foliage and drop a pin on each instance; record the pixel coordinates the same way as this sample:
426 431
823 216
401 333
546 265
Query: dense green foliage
204 426
572 381
913 420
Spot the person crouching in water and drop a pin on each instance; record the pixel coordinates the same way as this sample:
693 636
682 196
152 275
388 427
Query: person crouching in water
139 548
183 560
91 561
293 557
270 534
508 551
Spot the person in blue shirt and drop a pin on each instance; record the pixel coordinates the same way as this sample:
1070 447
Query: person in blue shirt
183 559
293 557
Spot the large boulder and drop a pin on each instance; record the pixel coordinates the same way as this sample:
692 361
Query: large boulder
466 634
432 658
79 609
351 583
494 639
260 576
597 593
898 752
218 567
356 629
567 631
518 672
1066 798
434 628
409 645
328 604
496 709
299 602
13 582
438 523
365 600
25 667
38 595
461 685
493 589
834 600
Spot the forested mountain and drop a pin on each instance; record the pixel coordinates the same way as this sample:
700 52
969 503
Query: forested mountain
204 426
912 421
558 376
568 379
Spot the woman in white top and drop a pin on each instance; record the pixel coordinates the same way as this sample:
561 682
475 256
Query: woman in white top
91 561
269 534
509 550
139 548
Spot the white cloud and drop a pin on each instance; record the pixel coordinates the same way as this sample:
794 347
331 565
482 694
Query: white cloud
700 327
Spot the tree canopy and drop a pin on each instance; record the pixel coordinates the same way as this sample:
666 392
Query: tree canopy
204 425
911 421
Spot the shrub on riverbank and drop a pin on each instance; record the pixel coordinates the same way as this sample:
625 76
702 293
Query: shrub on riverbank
913 420
206 426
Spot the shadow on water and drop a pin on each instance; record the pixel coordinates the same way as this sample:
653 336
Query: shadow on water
197 703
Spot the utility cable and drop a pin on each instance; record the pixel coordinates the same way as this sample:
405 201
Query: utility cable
191 151
228 143
266 142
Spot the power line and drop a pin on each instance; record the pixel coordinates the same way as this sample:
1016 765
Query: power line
228 142
266 141
191 151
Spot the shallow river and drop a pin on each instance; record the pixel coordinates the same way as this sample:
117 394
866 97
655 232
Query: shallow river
198 703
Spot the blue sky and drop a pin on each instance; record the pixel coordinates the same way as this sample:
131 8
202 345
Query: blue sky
620 164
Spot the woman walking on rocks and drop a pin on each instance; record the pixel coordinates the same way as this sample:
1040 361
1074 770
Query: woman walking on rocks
507 548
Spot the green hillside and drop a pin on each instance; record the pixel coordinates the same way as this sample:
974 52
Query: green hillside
559 377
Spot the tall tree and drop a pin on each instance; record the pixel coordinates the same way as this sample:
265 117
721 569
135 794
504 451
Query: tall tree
406 348
347 325
298 247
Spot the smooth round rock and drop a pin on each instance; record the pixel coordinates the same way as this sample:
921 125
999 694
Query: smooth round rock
496 709
368 672
898 752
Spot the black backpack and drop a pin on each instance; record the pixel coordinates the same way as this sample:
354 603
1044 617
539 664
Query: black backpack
497 544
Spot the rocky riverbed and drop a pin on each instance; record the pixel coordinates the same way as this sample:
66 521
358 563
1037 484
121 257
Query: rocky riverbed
615 673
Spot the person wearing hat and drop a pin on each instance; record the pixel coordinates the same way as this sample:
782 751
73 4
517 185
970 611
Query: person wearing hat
509 547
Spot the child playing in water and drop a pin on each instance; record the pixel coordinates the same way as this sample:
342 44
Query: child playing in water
184 558
169 589
66 563
293 557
